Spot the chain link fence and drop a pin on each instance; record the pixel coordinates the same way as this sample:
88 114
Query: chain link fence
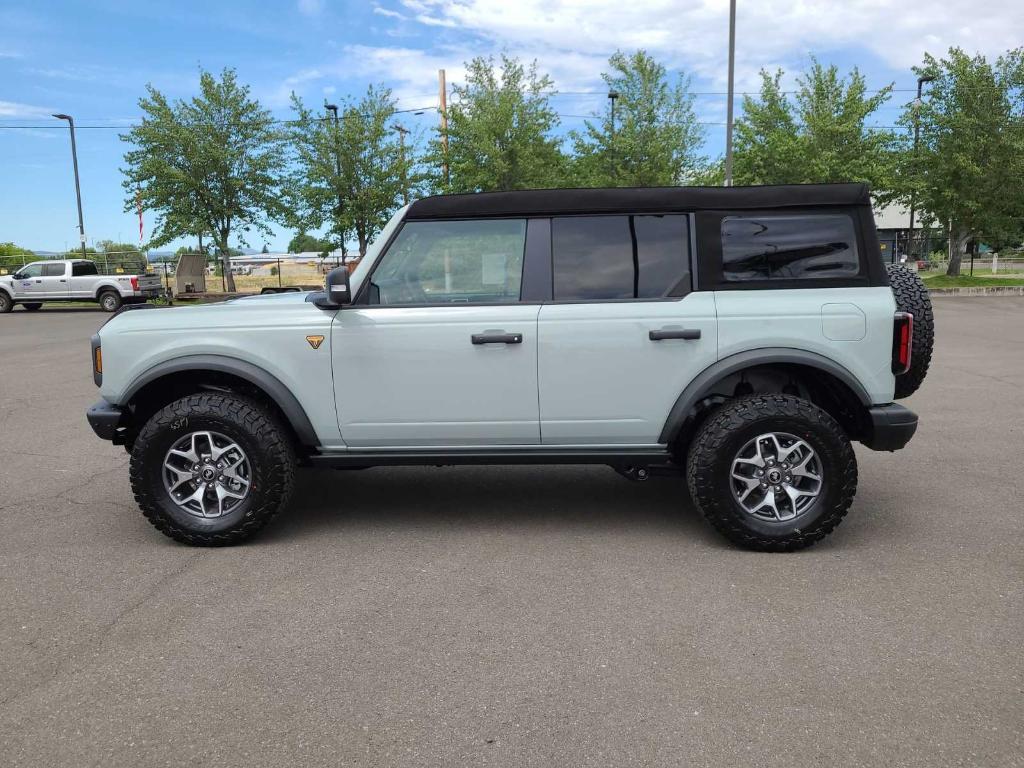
107 263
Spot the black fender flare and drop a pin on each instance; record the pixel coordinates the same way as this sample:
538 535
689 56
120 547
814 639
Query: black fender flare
704 382
270 384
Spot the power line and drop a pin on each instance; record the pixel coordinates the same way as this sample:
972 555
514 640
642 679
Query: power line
347 115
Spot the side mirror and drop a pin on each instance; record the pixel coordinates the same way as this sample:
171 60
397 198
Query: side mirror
336 293
17 276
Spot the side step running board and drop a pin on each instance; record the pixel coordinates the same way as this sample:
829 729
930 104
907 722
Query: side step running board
616 458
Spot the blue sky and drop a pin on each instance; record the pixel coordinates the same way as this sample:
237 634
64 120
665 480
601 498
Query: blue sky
93 60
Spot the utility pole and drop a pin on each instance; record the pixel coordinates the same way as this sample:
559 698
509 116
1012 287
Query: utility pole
917 133
613 97
337 162
78 189
402 130
730 97
443 97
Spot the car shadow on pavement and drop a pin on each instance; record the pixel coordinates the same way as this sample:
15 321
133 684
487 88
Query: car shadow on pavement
18 312
590 498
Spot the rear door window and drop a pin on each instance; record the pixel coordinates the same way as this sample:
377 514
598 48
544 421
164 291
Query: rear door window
83 268
601 258
795 247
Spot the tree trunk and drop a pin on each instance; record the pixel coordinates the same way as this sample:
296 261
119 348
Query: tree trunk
957 242
225 264
361 234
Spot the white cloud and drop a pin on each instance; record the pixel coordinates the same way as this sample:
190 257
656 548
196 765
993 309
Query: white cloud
16 110
388 13
694 35
310 7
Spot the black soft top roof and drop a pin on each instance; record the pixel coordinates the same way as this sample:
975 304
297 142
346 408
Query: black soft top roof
546 202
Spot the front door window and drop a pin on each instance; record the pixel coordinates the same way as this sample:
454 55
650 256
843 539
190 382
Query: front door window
452 262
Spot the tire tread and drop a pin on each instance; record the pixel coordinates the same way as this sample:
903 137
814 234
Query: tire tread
706 451
247 414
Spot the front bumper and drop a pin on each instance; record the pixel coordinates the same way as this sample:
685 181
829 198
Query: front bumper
891 427
108 421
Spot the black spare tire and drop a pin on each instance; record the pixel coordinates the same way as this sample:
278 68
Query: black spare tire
911 296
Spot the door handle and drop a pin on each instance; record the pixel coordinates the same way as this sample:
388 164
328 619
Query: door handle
689 334
497 337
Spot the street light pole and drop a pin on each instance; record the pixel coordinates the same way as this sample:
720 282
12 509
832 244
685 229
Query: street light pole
612 97
402 130
78 189
730 97
337 161
917 132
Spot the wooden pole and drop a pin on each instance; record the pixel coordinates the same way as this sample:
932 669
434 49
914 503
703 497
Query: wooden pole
443 97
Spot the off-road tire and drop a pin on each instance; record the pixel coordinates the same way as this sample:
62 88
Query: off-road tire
911 296
33 306
253 427
727 430
110 301
6 302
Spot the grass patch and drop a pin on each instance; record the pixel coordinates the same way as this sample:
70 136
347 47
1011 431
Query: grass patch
966 281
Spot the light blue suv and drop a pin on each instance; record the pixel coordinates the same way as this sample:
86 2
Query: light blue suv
742 337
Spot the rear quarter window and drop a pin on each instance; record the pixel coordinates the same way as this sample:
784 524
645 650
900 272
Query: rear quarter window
789 247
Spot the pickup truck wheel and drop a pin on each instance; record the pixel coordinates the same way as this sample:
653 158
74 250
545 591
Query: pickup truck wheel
32 307
6 304
110 301
911 296
212 469
773 473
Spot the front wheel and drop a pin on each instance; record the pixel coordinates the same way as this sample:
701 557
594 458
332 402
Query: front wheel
212 469
6 302
773 473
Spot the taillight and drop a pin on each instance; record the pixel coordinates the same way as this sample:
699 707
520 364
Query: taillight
135 283
902 342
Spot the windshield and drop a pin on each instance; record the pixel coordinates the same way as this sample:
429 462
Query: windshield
374 250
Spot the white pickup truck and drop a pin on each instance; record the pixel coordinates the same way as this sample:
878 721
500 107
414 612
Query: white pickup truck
73 280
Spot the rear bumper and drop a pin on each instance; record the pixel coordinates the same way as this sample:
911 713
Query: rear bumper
108 421
891 427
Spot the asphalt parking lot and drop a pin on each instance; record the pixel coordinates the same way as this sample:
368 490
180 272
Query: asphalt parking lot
514 616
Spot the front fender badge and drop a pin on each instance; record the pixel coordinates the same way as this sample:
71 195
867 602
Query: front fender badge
315 341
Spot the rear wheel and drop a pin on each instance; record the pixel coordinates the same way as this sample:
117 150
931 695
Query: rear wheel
773 473
911 296
110 301
32 307
212 469
6 304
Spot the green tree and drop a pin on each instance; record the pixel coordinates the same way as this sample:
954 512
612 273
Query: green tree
13 256
375 171
212 164
500 131
966 173
656 139
10 249
819 134
112 246
304 243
